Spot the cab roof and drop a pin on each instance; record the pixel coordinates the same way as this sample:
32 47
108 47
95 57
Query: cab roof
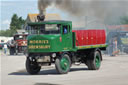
50 22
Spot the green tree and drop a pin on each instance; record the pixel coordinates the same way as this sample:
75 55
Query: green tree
7 33
16 23
21 22
124 20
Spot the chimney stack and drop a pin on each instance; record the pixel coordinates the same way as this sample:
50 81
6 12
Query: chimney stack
41 16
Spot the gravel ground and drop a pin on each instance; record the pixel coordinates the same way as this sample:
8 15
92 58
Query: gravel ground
114 71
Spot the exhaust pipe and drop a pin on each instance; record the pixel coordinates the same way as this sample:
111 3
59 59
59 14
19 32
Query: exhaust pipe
41 17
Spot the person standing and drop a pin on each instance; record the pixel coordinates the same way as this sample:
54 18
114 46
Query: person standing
115 48
5 48
110 50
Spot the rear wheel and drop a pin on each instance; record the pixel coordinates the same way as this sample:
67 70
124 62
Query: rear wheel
63 64
32 67
94 62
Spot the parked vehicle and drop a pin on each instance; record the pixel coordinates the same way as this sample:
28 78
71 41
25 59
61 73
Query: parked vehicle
18 44
1 45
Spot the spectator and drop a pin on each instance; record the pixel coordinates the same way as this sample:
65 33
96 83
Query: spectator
5 48
115 48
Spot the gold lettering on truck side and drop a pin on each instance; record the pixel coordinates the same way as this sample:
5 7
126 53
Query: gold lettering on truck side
31 41
47 41
34 41
38 41
39 46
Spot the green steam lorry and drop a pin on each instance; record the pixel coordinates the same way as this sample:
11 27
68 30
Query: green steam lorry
54 41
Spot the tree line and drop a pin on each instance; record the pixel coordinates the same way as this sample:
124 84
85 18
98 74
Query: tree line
15 24
18 22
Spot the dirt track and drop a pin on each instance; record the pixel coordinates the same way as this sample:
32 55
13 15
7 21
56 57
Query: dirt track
114 71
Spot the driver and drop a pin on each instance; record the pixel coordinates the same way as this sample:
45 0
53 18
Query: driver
65 30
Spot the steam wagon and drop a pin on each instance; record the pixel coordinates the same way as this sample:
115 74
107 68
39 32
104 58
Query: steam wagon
18 44
54 41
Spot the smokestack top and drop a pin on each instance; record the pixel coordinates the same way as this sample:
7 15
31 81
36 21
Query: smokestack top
40 17
34 17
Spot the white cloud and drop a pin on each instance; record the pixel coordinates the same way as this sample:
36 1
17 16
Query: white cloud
18 0
6 24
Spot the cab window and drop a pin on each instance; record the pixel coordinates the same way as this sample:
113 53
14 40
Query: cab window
45 29
65 29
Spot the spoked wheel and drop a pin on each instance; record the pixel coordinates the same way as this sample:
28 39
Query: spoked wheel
98 61
63 64
95 62
32 67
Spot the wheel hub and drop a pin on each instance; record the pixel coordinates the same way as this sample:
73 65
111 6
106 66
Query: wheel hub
97 61
64 64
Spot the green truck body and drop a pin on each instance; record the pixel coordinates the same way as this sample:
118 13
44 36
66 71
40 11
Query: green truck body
57 40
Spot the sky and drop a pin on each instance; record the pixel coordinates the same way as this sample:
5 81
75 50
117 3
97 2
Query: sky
21 8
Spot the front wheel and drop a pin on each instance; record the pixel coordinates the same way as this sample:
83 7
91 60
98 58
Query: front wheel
63 64
94 62
32 67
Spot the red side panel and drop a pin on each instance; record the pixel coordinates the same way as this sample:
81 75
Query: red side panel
103 36
22 42
80 38
98 37
94 32
85 36
90 37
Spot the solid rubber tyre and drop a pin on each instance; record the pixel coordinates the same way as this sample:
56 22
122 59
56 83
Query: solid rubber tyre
63 64
94 62
32 67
